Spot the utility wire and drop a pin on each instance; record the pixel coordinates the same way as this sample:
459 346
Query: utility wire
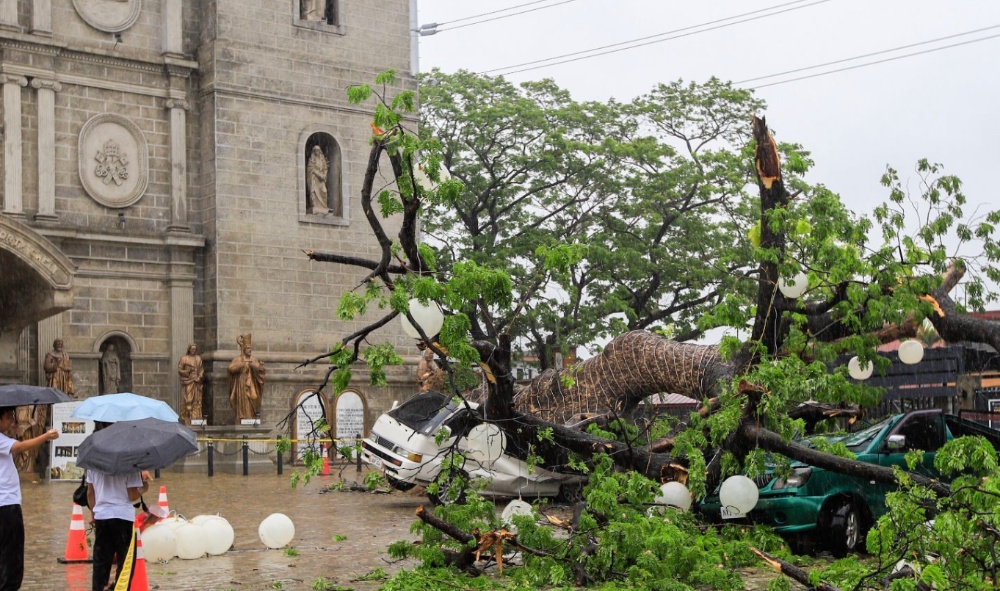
684 32
881 61
874 53
496 18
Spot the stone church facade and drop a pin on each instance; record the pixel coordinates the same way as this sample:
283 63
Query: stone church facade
165 164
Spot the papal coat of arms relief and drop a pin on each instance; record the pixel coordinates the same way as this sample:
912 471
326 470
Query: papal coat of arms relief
113 160
110 16
112 163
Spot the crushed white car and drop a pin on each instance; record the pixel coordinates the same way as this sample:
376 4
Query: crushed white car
401 444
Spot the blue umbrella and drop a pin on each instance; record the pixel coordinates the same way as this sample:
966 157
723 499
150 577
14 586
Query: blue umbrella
111 408
130 446
25 395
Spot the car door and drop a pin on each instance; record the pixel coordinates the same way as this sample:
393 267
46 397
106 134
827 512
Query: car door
920 430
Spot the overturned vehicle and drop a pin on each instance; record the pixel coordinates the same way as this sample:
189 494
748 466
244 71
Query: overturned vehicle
404 445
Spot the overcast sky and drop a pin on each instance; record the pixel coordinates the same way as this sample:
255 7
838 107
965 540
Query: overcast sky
940 105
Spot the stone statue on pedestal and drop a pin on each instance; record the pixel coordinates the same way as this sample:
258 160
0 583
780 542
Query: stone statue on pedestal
192 373
246 382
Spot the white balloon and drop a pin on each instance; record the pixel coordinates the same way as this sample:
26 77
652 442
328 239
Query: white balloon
911 352
159 543
514 508
191 542
488 440
276 531
857 371
674 494
219 535
425 182
796 286
201 519
429 317
173 522
740 493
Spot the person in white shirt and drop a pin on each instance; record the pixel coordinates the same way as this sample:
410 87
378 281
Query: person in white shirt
110 497
11 519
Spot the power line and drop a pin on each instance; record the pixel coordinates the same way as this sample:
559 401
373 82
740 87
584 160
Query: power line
468 18
674 32
496 18
882 61
874 53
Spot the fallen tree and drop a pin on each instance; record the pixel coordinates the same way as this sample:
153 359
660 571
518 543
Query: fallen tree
856 300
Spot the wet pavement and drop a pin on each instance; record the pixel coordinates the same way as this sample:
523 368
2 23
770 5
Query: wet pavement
368 522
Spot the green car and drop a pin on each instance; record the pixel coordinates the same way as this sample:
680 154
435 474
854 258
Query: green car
836 510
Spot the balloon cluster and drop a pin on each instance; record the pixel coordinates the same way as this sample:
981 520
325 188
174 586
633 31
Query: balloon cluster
212 535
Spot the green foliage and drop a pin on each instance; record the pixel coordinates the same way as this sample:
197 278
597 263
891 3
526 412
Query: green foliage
374 480
291 552
635 550
376 574
338 538
377 357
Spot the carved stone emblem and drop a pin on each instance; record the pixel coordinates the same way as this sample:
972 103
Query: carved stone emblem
114 164
110 16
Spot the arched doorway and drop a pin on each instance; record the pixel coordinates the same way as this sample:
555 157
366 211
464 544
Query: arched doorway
36 281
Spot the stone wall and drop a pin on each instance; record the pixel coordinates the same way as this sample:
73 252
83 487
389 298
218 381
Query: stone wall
211 247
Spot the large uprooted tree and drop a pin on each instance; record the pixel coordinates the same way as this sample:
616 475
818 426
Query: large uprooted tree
859 296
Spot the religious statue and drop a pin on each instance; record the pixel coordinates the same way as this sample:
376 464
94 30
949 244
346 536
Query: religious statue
111 373
192 374
30 424
317 170
314 10
246 382
429 375
59 369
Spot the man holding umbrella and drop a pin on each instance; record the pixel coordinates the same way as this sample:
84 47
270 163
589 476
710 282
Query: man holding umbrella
110 497
11 520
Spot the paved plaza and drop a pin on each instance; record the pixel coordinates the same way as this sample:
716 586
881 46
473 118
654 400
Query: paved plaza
369 522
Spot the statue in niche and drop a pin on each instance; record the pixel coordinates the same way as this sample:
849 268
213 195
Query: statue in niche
192 373
111 372
246 382
317 171
314 10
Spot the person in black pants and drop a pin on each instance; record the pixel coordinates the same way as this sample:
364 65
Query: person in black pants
11 520
110 497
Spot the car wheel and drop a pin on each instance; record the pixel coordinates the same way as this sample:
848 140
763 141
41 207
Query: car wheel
451 488
845 529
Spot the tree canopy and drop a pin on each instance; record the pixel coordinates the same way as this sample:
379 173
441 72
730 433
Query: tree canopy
669 173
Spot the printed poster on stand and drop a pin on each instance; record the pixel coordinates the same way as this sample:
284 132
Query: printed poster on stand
63 451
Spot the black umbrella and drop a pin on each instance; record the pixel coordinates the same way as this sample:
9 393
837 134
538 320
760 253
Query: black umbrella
129 446
25 395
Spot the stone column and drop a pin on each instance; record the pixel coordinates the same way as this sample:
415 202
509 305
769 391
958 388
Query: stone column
47 90
173 27
178 166
12 163
41 17
8 14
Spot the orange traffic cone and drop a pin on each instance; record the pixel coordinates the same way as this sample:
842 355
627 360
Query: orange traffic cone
139 580
76 543
162 501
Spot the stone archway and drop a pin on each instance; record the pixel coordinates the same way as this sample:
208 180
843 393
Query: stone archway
36 282
36 279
